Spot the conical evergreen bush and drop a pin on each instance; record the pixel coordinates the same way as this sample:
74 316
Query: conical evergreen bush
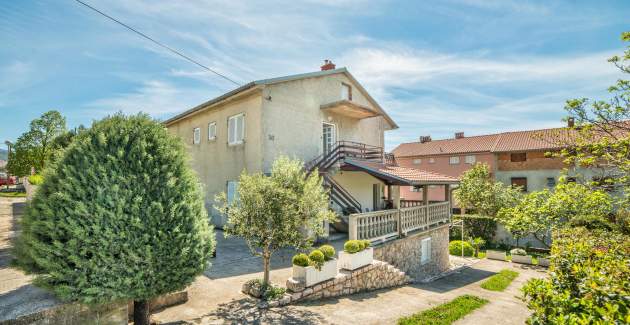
119 217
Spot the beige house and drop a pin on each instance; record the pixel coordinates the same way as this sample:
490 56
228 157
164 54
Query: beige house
325 118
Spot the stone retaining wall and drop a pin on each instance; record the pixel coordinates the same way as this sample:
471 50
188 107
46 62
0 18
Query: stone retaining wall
74 313
375 276
406 253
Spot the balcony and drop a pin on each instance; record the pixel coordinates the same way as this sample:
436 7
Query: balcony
349 109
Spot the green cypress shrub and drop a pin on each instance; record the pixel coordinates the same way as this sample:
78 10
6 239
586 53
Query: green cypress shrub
301 260
455 248
352 246
317 258
120 216
329 252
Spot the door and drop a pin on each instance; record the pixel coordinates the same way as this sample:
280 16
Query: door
328 137
376 197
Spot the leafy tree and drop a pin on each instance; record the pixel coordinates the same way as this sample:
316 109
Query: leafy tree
479 192
120 217
276 211
34 148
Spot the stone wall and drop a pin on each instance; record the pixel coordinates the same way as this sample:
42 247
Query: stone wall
406 253
377 275
75 314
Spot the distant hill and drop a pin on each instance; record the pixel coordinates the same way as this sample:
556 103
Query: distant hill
3 154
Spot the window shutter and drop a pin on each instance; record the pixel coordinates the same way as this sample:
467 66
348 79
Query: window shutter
231 130
426 251
232 191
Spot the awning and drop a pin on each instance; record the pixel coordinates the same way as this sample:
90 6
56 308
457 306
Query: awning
349 109
396 175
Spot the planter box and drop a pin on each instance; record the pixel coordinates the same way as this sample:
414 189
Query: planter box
527 259
496 255
354 261
543 261
310 275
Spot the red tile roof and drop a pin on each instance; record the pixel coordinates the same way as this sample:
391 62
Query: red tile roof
411 176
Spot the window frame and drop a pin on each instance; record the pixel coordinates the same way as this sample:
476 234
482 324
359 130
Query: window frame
512 179
417 161
214 137
349 87
425 250
518 154
551 180
197 135
431 160
471 161
451 160
235 118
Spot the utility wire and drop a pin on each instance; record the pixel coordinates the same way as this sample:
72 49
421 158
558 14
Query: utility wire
157 42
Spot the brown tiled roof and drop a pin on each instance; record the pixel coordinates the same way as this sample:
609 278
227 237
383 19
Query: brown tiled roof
544 139
409 176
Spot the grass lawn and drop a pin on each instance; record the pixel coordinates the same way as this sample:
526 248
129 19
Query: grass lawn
445 313
12 194
500 281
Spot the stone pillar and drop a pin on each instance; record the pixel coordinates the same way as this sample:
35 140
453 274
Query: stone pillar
395 196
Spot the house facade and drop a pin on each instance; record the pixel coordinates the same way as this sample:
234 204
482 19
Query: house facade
329 121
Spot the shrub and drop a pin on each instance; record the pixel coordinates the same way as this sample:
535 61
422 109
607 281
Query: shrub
366 243
317 258
329 252
36 179
121 216
518 251
455 248
590 280
352 246
301 260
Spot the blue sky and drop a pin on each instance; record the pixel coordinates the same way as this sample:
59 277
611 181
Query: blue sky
437 67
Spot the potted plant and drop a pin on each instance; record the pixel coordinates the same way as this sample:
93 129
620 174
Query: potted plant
320 265
496 255
543 260
356 254
519 255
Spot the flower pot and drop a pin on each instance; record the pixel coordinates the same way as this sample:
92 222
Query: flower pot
309 275
496 255
522 259
354 261
543 261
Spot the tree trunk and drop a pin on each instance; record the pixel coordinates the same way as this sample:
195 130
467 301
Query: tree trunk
141 313
266 259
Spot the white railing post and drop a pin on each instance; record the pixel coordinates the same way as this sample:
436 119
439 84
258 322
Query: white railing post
352 227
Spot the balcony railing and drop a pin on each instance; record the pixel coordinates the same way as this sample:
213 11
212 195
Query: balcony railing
395 223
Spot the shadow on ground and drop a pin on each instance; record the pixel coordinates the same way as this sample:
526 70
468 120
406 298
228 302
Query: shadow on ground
455 280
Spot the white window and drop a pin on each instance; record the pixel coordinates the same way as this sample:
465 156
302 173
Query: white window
346 91
196 135
417 161
236 129
232 191
471 159
453 160
431 161
212 131
425 253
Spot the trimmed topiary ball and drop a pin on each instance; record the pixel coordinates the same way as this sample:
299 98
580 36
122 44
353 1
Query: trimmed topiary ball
518 251
120 217
329 252
366 243
352 246
301 260
455 248
317 258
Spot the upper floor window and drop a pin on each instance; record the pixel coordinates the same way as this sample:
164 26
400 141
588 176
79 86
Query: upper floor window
518 156
212 131
417 161
453 160
470 159
346 91
236 129
431 161
196 135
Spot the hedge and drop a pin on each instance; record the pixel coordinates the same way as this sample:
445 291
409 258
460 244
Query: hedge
455 248
474 226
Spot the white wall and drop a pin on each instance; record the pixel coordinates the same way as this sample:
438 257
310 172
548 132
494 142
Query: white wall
359 184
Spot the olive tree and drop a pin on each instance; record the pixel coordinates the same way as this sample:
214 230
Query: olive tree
284 209
120 216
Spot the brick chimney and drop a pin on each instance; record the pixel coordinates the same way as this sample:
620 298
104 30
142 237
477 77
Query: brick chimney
570 122
425 138
459 135
328 65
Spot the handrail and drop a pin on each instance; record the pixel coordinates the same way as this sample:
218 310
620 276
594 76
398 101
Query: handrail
336 188
343 149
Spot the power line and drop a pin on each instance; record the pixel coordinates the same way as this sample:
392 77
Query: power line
157 42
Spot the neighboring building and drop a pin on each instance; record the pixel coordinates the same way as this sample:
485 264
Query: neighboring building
514 158
325 118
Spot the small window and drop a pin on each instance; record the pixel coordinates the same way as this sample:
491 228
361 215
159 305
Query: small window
470 159
196 135
431 161
346 91
551 182
519 182
453 160
236 129
416 188
417 161
518 157
212 131
425 253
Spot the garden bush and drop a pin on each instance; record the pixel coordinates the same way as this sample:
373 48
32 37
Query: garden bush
352 246
317 258
329 252
590 280
301 260
518 251
455 248
36 179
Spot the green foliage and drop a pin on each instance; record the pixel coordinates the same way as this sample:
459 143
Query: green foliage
353 246
36 179
120 217
477 243
455 248
12 194
329 252
447 313
317 258
267 291
366 243
273 211
479 192
301 260
36 147
589 283
518 251
499 281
